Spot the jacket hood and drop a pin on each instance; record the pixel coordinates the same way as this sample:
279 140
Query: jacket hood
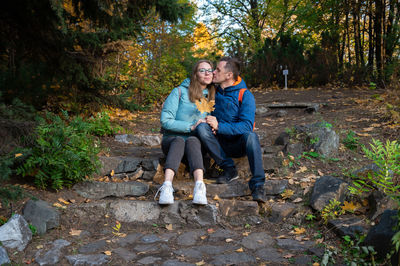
239 84
185 83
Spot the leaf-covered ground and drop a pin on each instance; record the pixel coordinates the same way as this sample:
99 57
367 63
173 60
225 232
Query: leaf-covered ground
368 113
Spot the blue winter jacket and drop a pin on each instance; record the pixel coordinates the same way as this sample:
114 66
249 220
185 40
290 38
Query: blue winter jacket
234 118
179 113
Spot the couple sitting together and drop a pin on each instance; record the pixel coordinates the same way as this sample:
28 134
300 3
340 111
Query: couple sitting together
226 132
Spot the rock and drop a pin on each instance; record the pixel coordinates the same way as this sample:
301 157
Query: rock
271 151
303 260
378 203
149 175
99 190
295 149
280 211
125 254
4 256
380 235
261 110
189 253
150 164
41 215
237 188
93 247
271 255
149 260
118 164
129 239
135 211
52 257
257 240
234 259
271 164
214 250
369 169
275 186
325 189
146 248
199 215
15 233
89 260
139 140
281 113
352 227
150 239
237 207
189 238
222 235
326 139
282 139
176 263
294 245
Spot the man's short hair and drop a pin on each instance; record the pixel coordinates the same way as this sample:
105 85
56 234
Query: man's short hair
232 65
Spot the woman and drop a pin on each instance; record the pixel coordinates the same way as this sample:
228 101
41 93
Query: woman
179 118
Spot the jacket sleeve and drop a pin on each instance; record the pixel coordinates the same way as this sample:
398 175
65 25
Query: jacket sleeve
245 122
168 114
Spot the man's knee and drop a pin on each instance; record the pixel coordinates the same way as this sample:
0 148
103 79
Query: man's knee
203 129
251 139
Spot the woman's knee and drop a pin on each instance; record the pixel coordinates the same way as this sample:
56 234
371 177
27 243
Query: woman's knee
192 140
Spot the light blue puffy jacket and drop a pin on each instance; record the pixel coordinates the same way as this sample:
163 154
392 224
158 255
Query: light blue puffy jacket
179 113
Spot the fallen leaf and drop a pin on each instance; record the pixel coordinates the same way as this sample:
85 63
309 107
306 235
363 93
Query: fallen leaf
228 240
75 232
363 134
200 263
72 200
299 230
301 170
287 193
281 237
288 256
190 197
376 125
291 181
350 206
58 205
315 264
169 227
246 233
298 200
368 129
203 237
216 198
18 155
239 250
210 230
87 200
39 246
319 241
205 106
320 173
63 201
112 173
107 252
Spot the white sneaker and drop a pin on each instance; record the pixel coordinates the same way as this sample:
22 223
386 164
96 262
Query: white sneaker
199 194
166 195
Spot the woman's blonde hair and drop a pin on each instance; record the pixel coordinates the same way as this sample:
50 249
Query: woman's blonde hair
195 89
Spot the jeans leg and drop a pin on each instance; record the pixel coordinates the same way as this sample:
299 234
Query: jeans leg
253 151
193 154
213 147
174 148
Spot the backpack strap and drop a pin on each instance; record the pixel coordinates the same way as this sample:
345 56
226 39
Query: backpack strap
240 98
241 92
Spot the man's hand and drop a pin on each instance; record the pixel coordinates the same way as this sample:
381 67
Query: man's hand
213 122
197 123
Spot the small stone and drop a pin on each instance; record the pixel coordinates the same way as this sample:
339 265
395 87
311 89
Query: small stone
135 211
15 233
257 240
189 238
237 207
148 260
41 215
93 247
4 259
238 258
150 239
177 263
189 253
91 260
270 255
52 257
125 254
294 244
99 190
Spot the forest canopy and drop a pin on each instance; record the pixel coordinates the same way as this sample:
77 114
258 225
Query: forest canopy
64 54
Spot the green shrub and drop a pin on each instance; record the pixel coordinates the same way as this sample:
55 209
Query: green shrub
351 141
100 125
8 192
64 152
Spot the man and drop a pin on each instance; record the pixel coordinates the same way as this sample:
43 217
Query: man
229 131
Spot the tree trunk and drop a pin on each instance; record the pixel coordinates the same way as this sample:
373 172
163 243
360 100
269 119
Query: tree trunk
378 38
371 45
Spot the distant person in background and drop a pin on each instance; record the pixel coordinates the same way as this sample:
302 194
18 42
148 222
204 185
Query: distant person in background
228 132
179 119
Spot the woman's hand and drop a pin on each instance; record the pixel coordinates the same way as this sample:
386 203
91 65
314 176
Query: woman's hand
197 123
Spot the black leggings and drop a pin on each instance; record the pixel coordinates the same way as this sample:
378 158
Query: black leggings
175 147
